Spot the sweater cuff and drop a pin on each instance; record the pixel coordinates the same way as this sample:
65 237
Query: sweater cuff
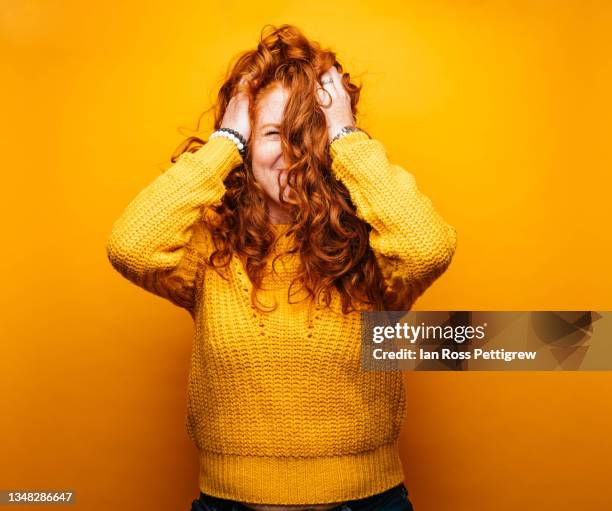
220 152
345 142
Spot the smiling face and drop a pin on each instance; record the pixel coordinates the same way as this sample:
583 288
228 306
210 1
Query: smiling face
266 155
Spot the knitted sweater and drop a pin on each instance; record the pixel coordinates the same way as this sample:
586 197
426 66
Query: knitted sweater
278 406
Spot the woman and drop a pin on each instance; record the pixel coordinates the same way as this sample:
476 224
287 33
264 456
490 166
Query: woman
274 235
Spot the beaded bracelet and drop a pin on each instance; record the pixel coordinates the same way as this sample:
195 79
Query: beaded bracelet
234 136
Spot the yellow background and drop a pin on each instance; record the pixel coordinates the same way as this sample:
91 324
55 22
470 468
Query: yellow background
501 111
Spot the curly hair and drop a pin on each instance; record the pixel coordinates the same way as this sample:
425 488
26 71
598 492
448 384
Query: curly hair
331 240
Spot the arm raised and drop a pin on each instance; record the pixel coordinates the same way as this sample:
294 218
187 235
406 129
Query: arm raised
157 243
412 243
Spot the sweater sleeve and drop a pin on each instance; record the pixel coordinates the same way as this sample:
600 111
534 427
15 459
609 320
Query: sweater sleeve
157 242
412 243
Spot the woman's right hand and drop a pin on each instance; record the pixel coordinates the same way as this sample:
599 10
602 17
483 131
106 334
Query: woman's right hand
236 114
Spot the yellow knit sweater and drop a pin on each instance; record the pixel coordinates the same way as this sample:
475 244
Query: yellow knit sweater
277 404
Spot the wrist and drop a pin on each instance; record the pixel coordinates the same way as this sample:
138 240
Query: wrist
235 136
342 131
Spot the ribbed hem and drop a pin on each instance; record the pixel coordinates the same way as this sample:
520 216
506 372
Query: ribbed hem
267 480
219 152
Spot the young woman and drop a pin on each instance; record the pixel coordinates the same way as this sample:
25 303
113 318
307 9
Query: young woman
274 235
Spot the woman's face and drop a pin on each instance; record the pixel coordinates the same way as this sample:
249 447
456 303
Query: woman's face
266 156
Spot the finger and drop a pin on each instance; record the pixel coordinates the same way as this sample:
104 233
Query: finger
323 97
242 84
335 76
327 78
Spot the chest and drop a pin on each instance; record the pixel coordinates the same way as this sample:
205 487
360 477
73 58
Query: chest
290 328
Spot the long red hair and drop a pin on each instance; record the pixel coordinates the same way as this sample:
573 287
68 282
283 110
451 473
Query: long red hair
331 240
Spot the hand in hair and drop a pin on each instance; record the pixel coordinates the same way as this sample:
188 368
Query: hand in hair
335 102
236 114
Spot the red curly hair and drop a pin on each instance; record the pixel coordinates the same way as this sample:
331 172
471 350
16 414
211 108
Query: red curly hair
331 240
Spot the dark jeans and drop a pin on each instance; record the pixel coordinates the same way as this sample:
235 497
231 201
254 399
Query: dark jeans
393 499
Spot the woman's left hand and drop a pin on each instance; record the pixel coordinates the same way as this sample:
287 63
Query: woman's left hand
338 113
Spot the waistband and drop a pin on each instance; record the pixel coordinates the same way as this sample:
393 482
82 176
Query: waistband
294 481
209 502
